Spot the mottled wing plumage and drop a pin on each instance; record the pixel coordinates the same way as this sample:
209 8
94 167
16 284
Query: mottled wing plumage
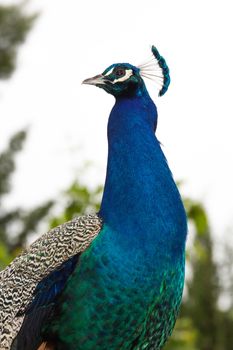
45 299
19 280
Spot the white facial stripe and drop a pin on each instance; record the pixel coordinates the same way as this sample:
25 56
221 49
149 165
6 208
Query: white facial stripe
128 74
109 72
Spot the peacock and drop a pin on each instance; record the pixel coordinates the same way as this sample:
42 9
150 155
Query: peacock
111 280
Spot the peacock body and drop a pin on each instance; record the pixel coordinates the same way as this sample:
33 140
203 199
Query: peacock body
113 280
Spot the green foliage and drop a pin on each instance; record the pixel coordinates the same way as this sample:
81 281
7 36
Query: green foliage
7 167
7 163
14 26
184 336
17 224
197 214
5 256
202 306
78 200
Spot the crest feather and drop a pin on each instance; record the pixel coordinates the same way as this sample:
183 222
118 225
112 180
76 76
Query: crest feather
157 70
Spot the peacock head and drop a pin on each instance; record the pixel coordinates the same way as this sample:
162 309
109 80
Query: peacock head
124 79
119 79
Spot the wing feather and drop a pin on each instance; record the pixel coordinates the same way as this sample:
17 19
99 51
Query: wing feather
20 279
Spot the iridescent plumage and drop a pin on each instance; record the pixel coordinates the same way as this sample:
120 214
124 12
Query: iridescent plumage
120 286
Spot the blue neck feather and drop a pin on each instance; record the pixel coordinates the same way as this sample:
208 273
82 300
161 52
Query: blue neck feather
141 202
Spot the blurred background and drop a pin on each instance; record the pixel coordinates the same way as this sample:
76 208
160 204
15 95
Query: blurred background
53 145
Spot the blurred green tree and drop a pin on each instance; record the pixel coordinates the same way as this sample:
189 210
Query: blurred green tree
184 336
15 24
202 324
78 200
16 224
225 271
203 287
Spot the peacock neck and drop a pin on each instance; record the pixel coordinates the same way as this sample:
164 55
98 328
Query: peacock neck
140 197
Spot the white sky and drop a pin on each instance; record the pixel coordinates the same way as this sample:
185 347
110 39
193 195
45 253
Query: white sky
74 40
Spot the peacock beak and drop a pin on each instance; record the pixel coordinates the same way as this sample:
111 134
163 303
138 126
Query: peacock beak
97 80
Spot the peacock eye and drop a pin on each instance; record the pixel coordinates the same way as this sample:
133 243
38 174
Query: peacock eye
120 72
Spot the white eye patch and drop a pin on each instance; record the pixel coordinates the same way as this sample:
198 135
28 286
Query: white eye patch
128 73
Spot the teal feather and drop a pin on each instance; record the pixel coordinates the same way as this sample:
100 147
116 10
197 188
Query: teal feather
163 65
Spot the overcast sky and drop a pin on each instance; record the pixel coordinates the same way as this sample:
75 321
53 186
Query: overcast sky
73 40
